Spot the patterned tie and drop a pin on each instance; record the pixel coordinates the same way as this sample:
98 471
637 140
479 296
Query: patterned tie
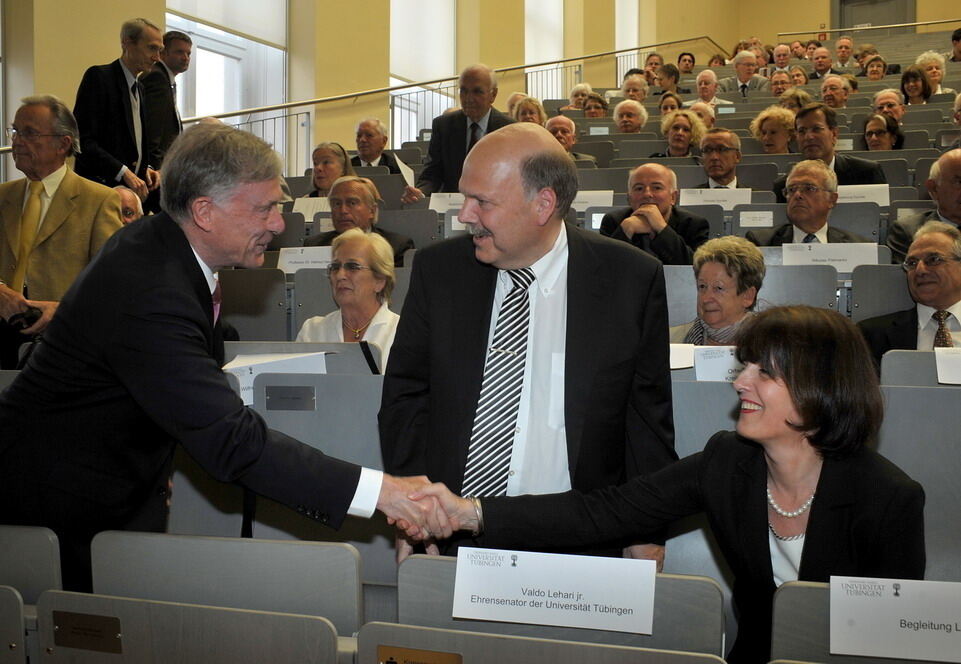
811 238
492 439
744 89
942 338
474 135
29 224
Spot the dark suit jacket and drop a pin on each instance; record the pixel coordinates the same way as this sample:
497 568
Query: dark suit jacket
160 113
831 72
107 138
897 331
448 149
866 521
617 393
784 234
674 245
850 170
901 233
707 185
129 367
399 243
386 159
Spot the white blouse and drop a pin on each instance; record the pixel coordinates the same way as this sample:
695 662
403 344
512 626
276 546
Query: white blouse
785 557
330 328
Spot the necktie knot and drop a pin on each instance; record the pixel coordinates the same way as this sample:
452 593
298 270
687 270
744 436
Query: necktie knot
811 238
940 316
36 186
522 278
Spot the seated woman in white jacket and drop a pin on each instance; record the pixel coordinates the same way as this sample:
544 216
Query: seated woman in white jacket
361 279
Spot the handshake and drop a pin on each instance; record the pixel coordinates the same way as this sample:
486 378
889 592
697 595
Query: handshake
425 511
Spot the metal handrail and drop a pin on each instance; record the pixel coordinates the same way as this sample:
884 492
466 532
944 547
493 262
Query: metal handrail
871 27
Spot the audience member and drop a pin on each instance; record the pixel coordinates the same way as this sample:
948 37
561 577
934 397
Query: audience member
817 135
686 62
882 132
565 131
794 99
745 79
513 99
915 86
131 366
890 102
720 155
932 64
361 276
844 50
728 273
529 109
354 204
797 50
706 84
634 87
683 131
933 270
774 129
822 64
954 55
330 163
780 81
653 222
652 63
518 185
802 440
799 75
811 193
667 78
453 135
630 117
668 102
595 106
161 116
110 112
782 58
53 221
130 206
875 68
577 97
810 46
852 81
835 91
944 188
717 60
704 111
371 142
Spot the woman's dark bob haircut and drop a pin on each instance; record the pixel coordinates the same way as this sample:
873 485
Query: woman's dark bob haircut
827 368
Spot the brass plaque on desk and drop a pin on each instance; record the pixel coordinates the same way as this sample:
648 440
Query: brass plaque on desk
87 631
395 655
290 397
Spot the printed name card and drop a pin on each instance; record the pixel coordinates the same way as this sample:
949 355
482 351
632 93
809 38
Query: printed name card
292 259
596 219
844 144
682 356
724 109
948 361
896 618
248 367
596 198
613 594
757 218
726 198
442 202
864 193
598 130
455 224
716 363
843 256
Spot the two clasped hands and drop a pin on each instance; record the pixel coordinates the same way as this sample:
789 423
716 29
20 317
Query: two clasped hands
423 511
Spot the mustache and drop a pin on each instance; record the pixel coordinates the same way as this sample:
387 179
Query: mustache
476 231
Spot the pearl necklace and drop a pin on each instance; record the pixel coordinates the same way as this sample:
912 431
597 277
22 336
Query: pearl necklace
783 512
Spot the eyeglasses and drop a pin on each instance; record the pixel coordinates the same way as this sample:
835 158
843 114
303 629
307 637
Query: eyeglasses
806 189
930 261
717 149
26 134
875 133
350 266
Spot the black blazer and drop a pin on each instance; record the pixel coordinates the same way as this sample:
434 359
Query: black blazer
675 245
901 233
707 185
105 120
867 520
162 121
129 367
850 170
617 392
399 243
448 149
784 234
830 72
386 159
897 331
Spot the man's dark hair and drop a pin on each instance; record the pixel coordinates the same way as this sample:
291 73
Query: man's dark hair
830 116
956 35
176 34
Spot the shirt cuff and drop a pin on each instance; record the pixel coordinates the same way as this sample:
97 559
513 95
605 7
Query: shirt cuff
119 176
367 493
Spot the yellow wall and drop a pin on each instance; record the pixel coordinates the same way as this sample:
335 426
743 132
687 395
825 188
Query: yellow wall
589 28
935 10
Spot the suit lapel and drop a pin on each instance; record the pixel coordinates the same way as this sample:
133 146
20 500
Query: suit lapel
828 524
121 81
12 209
904 330
61 207
752 523
588 292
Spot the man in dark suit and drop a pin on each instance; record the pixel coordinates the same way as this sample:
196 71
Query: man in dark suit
721 153
822 64
160 92
817 135
944 187
812 192
110 111
130 366
933 266
454 133
746 79
653 223
371 141
589 400
353 204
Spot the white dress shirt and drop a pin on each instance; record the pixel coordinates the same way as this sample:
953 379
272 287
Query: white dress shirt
539 457
135 102
821 234
712 184
367 492
380 331
928 327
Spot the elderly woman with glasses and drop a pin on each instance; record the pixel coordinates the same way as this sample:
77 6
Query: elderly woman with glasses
361 279
882 132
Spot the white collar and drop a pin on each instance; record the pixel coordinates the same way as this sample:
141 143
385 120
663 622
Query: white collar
209 275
